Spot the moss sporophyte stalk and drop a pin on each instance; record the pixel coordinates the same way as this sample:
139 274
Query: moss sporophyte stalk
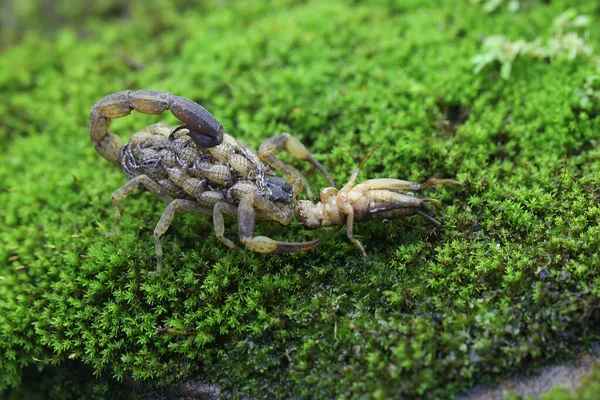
506 284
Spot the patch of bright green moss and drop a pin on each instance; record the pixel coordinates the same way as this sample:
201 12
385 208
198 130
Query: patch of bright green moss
509 282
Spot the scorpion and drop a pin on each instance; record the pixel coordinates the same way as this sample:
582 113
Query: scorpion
197 168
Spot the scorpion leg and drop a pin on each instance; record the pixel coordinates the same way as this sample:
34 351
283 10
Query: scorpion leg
203 127
268 153
177 205
219 210
264 244
168 214
130 187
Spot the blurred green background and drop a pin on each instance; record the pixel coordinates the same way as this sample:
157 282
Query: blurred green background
503 96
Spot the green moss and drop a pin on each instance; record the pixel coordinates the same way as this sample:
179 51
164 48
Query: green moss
511 280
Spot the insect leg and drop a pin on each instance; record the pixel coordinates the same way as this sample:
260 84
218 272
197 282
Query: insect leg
397 184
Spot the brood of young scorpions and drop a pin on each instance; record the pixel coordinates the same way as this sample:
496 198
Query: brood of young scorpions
197 168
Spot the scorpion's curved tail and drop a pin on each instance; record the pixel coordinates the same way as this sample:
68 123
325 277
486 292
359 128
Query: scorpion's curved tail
204 129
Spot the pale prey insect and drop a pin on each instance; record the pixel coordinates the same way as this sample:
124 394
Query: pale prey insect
372 199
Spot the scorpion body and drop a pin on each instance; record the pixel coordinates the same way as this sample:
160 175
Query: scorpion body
197 168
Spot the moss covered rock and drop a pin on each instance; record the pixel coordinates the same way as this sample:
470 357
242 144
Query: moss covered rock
509 282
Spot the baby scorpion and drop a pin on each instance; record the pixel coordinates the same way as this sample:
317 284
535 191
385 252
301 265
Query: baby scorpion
197 168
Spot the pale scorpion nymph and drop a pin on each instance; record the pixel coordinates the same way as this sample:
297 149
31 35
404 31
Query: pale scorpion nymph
197 168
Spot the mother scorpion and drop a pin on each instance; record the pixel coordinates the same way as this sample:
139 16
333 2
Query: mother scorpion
197 168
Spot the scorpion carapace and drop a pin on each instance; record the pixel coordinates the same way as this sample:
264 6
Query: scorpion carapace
196 168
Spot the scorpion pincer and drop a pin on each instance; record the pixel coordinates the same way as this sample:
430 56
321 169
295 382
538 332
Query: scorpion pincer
197 168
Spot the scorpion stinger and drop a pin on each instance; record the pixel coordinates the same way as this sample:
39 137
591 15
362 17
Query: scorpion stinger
204 129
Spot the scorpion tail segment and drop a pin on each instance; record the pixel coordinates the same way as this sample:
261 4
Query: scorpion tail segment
204 128
106 143
115 105
178 131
